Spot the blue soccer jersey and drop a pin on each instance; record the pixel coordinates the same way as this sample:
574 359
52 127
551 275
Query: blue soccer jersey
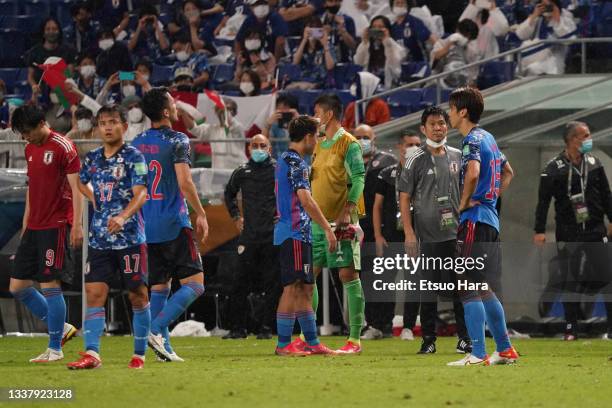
291 176
480 145
165 211
112 180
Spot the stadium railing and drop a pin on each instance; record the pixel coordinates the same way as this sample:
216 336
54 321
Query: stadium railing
514 53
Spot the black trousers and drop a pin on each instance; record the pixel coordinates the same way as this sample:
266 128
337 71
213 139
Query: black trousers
256 286
429 300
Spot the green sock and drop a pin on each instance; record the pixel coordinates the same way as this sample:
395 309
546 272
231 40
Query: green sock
315 305
356 306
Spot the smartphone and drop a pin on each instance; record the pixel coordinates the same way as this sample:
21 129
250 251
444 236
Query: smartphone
126 75
375 34
316 32
284 120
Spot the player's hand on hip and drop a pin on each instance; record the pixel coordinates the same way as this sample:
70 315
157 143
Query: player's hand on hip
539 239
76 236
332 241
202 227
115 224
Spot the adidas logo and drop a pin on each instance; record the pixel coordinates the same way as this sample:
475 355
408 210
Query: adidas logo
430 172
339 258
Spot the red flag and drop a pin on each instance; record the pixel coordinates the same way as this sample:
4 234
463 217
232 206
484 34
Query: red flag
55 72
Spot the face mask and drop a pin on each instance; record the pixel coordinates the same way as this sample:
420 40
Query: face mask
135 115
587 146
87 71
182 56
333 9
52 37
399 11
261 11
252 44
184 88
410 150
247 87
366 146
192 14
259 155
435 145
84 125
128 90
54 98
106 44
145 77
353 90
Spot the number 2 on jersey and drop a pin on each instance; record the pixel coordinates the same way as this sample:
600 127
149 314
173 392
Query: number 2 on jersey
156 167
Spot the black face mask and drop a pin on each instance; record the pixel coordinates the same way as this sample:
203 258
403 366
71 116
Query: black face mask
53 38
184 88
333 9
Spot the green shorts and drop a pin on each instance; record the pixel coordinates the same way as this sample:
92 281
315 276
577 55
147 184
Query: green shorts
347 254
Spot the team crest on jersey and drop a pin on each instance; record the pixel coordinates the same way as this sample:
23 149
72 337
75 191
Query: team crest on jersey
454 167
306 269
118 171
48 157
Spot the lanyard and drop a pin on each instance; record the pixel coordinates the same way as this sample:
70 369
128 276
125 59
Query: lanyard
435 171
398 174
583 173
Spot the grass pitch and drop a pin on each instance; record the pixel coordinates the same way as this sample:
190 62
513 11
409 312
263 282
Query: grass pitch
245 373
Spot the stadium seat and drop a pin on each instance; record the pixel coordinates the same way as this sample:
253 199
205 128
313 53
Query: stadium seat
12 47
61 10
430 96
344 95
36 7
345 73
9 76
413 71
161 74
306 99
9 7
24 23
288 73
223 73
495 73
404 102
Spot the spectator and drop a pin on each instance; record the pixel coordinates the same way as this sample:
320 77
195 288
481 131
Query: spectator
233 17
197 22
56 115
225 155
452 53
413 32
87 80
265 21
297 13
82 33
376 111
277 125
341 30
258 270
196 61
16 158
492 23
51 45
315 57
4 106
83 128
547 22
449 9
113 57
145 67
149 39
137 121
116 89
256 58
361 20
379 53
183 80
250 84
113 14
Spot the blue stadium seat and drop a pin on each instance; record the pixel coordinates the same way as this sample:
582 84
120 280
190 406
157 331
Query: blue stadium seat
12 47
344 95
223 73
60 9
306 99
430 96
36 7
9 7
9 76
231 93
162 74
293 43
495 73
289 73
413 71
24 23
344 74
404 102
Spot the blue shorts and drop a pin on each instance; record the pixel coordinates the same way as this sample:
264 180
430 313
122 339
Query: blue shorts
296 262
131 263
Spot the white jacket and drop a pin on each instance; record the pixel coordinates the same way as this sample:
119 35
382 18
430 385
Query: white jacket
225 155
394 53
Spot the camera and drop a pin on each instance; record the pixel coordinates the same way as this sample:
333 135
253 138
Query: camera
284 120
375 34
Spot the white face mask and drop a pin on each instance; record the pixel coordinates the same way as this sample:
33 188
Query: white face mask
128 90
399 11
410 151
54 98
252 44
436 145
106 44
261 11
87 71
84 125
145 77
182 56
135 115
353 90
247 87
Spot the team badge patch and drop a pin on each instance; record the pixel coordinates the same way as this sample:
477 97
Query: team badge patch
48 157
454 167
240 249
140 168
118 171
466 150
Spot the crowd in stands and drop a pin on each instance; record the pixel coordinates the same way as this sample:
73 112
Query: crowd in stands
118 49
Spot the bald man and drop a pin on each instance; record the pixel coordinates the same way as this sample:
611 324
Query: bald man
258 258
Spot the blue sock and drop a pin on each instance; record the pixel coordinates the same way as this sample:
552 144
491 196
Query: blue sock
34 301
56 316
178 303
93 327
308 324
142 325
158 301
497 322
475 322
284 328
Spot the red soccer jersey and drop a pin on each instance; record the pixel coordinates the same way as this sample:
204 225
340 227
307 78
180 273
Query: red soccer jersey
49 192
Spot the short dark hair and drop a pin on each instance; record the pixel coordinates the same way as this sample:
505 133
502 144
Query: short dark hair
83 113
148 10
154 102
469 98
255 79
301 126
288 99
82 5
146 61
570 129
85 55
196 3
27 117
111 109
332 102
468 29
407 133
434 111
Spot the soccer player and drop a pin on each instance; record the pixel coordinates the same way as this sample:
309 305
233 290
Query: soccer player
292 233
485 174
173 252
114 178
338 176
53 166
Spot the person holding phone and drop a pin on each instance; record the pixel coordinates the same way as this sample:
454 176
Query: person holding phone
315 57
379 53
277 125
148 40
